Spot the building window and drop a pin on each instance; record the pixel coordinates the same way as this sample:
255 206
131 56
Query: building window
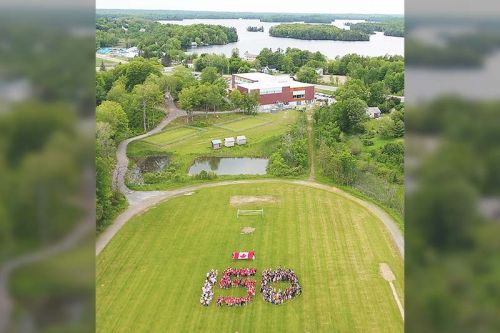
299 94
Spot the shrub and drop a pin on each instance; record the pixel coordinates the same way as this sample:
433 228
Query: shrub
204 175
367 142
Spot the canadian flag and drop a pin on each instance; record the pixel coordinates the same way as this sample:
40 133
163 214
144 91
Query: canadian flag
244 255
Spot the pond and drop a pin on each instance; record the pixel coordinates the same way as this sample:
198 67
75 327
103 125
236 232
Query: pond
145 165
230 165
254 42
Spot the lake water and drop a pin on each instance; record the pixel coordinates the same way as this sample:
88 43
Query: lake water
254 42
230 165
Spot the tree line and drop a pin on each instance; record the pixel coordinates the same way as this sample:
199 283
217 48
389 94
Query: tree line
179 15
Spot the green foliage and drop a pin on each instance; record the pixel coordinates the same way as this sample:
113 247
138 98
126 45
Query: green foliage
204 175
338 163
393 27
291 157
155 38
376 93
314 31
209 75
308 75
387 69
392 153
350 115
353 88
220 62
113 114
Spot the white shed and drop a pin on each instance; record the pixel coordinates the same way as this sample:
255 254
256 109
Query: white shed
216 144
241 140
229 142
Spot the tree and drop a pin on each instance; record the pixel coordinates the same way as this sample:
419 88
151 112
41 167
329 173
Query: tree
189 100
103 67
376 94
236 98
308 75
353 88
146 97
138 69
112 113
250 103
209 74
350 114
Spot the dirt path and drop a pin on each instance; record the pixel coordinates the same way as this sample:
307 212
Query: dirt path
121 152
312 158
146 200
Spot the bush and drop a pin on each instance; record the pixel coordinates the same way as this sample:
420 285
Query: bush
367 142
204 175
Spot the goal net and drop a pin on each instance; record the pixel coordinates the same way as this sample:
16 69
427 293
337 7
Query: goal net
243 212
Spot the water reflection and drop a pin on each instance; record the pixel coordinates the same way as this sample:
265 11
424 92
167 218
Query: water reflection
230 165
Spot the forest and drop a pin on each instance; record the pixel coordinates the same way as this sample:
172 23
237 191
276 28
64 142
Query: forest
317 32
154 39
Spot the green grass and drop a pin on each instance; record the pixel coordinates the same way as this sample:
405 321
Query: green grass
185 144
242 124
172 135
149 277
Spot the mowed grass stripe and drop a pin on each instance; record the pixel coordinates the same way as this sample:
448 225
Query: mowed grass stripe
333 244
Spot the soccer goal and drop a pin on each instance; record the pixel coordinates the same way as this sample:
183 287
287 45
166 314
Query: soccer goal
243 212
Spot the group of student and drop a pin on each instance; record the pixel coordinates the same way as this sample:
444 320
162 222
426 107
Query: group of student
227 282
279 297
207 292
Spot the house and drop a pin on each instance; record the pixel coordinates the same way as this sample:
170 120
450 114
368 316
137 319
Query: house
229 142
216 144
241 140
269 70
373 112
249 56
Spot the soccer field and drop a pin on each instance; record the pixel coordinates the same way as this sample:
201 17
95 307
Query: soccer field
150 275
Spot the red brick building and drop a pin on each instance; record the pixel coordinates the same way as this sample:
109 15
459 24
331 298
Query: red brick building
274 90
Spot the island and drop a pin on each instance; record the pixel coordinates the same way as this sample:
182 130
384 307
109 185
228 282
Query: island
255 29
317 32
395 28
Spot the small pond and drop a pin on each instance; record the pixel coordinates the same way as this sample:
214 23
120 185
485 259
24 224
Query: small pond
146 164
230 165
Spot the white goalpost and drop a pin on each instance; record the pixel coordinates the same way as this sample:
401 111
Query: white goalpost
242 212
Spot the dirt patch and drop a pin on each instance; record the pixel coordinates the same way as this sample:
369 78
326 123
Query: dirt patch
386 272
247 230
188 193
244 199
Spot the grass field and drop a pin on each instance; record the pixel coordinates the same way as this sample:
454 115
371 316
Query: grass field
149 277
242 124
172 135
185 144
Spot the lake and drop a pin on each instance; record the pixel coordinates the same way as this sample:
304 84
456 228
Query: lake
230 165
254 42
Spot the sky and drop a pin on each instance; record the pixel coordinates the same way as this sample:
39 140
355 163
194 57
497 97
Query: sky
279 6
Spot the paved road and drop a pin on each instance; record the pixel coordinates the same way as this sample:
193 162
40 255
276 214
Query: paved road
109 58
323 87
